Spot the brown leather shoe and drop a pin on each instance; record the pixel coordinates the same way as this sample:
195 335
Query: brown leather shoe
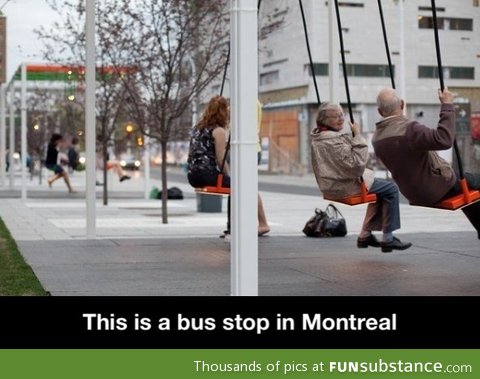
371 240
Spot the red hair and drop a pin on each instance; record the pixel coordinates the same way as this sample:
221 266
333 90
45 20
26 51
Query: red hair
215 114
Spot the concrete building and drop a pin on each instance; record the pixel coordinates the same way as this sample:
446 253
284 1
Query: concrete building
286 86
3 48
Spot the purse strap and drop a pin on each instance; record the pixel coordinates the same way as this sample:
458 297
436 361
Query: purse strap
335 210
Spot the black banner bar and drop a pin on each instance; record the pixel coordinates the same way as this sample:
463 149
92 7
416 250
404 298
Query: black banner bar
239 322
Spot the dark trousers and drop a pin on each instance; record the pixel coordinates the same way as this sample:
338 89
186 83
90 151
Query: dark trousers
202 179
385 213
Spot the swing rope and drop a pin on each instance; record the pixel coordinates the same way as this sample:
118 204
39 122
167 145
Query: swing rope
385 40
363 197
344 65
312 70
442 84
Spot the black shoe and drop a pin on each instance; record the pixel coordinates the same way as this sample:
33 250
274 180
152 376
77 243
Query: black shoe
395 244
124 177
226 233
371 240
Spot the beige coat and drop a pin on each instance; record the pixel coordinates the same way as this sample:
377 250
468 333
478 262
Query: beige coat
339 160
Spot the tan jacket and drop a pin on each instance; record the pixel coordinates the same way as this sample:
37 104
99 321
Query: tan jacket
339 160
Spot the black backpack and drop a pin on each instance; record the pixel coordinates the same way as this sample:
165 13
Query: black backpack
173 193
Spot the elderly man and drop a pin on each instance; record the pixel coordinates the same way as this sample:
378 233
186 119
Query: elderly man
339 159
407 149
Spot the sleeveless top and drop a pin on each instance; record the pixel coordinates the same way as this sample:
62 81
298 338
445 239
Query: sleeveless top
201 156
52 155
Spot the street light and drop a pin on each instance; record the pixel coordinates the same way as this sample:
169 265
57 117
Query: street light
195 99
129 129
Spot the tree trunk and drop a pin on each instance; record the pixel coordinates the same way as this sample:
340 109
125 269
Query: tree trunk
164 183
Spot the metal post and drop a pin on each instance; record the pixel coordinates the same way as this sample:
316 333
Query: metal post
23 130
146 159
244 92
11 142
195 97
90 132
3 136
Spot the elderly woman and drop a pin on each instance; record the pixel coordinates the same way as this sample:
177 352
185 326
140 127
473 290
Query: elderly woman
339 160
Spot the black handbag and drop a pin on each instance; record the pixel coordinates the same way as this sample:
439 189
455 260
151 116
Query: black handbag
328 223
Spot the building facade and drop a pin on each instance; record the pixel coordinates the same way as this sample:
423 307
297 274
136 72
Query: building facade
286 85
3 48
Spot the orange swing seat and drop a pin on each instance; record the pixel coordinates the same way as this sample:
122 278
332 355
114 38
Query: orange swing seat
214 190
362 198
461 200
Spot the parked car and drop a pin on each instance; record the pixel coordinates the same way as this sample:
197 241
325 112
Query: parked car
130 163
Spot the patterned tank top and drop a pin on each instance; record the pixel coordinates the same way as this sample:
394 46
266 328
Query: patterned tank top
201 157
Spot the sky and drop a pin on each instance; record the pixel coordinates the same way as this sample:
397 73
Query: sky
23 16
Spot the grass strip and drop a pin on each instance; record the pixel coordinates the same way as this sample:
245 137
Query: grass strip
16 277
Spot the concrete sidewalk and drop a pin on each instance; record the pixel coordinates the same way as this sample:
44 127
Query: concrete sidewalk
135 254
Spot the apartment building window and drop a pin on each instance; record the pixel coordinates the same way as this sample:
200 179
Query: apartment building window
320 69
448 72
446 23
273 63
350 4
429 9
368 70
460 24
269 77
270 28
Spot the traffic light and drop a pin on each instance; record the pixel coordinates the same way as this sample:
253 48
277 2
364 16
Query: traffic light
140 141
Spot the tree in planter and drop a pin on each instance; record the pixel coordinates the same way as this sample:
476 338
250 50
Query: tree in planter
65 44
178 47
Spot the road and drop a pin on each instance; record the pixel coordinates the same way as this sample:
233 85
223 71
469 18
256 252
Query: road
263 186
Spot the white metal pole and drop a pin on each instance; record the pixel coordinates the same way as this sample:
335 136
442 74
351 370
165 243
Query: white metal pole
3 135
146 159
333 48
23 131
194 110
11 142
195 97
244 176
90 132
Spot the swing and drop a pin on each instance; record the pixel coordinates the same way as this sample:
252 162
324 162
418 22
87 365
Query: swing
467 196
363 197
219 189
